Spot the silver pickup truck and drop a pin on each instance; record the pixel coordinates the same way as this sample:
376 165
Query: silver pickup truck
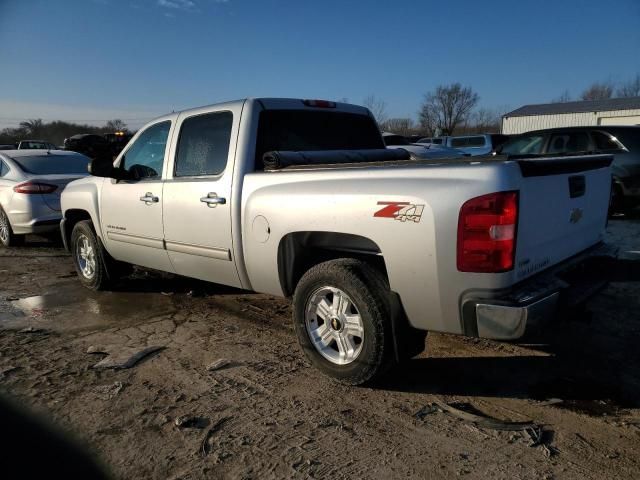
300 198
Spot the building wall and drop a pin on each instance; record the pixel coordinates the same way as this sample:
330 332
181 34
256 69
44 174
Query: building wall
514 125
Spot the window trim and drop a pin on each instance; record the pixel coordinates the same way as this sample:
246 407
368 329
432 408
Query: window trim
215 176
123 154
619 149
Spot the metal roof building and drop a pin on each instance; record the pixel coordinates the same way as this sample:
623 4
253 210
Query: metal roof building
612 111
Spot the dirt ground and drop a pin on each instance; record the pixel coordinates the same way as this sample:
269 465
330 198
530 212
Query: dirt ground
268 414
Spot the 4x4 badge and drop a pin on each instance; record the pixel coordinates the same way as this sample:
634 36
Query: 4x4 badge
403 211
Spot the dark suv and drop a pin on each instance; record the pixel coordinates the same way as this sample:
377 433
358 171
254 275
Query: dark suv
622 141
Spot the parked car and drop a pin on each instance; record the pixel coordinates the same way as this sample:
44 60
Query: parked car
301 199
623 142
117 141
473 145
7 147
30 185
391 140
89 144
35 145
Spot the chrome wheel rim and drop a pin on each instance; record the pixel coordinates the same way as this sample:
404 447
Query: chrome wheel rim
4 227
85 256
334 325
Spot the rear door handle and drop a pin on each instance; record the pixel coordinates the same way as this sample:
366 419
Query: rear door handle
213 200
149 198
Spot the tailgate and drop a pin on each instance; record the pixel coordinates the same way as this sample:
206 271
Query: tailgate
564 204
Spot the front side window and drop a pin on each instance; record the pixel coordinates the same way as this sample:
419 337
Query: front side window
144 159
203 145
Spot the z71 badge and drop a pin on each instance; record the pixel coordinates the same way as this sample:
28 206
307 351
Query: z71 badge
403 211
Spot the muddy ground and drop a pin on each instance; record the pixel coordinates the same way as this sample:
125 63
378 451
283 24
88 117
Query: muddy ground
268 414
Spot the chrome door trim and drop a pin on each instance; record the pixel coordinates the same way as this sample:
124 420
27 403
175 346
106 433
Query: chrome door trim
188 248
136 240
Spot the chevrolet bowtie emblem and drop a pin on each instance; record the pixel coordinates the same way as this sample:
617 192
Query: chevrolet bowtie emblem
576 215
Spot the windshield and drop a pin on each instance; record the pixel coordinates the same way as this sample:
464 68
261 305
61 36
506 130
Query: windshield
53 164
312 130
529 144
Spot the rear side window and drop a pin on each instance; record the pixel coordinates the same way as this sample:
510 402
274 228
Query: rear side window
458 142
300 130
462 142
3 169
203 145
604 142
571 142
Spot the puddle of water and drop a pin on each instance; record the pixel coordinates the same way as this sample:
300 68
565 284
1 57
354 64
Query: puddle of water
73 306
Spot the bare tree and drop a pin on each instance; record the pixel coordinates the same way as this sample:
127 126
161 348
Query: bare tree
563 98
447 107
32 127
401 126
377 106
485 120
116 125
598 91
630 89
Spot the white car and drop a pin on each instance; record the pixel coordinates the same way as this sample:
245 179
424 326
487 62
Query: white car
31 182
391 140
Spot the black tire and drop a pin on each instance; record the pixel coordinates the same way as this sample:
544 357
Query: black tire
106 270
369 292
7 237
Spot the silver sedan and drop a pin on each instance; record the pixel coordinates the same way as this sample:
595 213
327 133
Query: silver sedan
31 182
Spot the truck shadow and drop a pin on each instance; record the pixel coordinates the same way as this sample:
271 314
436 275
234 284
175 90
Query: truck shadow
594 369
537 378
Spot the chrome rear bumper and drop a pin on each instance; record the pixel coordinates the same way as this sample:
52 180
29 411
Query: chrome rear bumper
508 314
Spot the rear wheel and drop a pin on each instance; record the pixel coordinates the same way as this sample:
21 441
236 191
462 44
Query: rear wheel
341 316
96 269
7 237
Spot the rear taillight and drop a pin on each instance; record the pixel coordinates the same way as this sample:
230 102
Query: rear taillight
487 233
31 188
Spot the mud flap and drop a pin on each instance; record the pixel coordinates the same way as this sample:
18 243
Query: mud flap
407 341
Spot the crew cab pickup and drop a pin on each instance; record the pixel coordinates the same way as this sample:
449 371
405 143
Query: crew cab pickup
300 198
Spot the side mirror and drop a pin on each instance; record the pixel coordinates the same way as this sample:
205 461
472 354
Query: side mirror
103 167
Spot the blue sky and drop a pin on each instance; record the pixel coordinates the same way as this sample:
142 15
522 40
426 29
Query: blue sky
91 60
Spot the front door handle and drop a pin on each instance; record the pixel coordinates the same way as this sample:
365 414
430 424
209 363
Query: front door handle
149 198
212 200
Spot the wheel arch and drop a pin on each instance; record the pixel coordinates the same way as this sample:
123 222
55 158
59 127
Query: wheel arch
71 218
300 251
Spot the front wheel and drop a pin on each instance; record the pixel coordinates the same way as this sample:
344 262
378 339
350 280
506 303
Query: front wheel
94 266
341 317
